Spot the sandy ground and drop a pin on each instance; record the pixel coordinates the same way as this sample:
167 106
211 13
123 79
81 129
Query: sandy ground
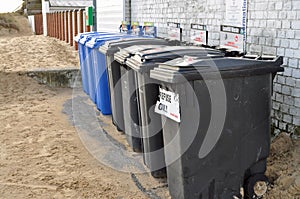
283 168
41 155
26 53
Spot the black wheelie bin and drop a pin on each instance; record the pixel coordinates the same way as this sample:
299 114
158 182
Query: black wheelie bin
129 98
147 90
221 140
114 74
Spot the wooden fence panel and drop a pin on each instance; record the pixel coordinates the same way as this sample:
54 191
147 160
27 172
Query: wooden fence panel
38 24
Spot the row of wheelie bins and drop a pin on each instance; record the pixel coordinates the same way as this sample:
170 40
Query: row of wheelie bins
200 118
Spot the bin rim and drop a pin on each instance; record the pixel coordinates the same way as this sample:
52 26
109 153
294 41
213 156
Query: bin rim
96 42
111 47
174 74
143 66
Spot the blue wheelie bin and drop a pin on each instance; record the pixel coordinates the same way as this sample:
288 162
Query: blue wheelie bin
81 39
98 84
90 71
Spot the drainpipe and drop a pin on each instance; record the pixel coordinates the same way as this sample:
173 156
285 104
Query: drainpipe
95 15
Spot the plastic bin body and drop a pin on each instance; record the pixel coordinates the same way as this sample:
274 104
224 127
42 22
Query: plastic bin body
151 125
130 111
98 84
83 70
94 41
82 39
243 146
148 90
114 73
129 96
102 96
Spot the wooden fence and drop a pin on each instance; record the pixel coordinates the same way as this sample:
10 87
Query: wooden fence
38 24
65 25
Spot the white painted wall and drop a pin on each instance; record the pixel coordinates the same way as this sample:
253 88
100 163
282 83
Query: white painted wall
45 10
110 14
31 22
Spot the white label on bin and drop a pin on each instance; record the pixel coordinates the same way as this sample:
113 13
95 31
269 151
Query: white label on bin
168 105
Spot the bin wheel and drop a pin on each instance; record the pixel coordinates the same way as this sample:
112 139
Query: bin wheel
137 150
256 186
161 173
119 129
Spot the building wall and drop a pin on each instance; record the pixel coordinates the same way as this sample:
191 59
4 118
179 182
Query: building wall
209 12
33 6
45 10
110 14
273 28
127 7
31 22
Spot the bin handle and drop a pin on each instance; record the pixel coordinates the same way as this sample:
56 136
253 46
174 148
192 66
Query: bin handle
279 60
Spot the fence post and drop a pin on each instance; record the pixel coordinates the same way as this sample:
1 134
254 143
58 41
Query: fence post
75 28
47 19
61 26
52 24
80 21
64 25
83 20
54 27
58 24
71 28
55 24
67 26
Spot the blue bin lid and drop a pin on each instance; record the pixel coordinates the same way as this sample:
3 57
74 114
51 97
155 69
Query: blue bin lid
84 37
84 34
97 41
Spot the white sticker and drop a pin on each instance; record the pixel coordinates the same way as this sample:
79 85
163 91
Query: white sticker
232 41
174 33
168 105
199 37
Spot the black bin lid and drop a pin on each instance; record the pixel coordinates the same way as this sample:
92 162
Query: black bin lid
187 68
125 53
146 60
113 46
171 52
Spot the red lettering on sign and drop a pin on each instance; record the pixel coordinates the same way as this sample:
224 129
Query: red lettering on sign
236 38
172 114
199 39
231 44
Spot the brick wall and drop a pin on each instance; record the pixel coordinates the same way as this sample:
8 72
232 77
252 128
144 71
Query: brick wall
273 28
210 12
127 7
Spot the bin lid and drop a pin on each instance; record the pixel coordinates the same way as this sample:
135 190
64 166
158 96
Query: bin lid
125 53
144 61
98 40
111 47
187 68
168 52
84 37
78 37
